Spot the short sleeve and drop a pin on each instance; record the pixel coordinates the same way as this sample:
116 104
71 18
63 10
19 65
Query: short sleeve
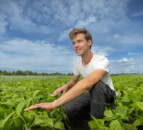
103 63
76 69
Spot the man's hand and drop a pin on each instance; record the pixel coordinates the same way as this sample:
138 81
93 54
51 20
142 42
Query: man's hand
48 106
61 89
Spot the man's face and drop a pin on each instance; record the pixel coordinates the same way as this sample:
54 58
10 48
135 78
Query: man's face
81 45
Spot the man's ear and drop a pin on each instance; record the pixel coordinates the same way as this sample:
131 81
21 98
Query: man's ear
89 42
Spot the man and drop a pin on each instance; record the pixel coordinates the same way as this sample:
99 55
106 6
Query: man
90 95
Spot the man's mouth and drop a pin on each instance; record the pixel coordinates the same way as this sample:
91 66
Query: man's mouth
78 50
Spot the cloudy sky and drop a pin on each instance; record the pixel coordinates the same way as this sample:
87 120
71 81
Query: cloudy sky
34 33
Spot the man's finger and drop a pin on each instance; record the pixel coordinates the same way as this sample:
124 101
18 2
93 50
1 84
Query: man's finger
56 93
32 107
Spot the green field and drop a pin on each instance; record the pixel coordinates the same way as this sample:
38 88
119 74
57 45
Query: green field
19 92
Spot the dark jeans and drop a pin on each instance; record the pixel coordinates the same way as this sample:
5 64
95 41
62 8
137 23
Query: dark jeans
92 102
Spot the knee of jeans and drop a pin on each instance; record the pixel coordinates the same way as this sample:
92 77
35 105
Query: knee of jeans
70 109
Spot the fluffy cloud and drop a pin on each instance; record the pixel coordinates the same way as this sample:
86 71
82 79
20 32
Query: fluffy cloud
103 50
30 19
132 54
110 22
125 61
37 56
127 65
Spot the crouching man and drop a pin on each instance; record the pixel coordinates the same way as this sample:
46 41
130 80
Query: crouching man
90 95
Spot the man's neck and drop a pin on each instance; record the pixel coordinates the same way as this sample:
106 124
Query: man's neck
87 58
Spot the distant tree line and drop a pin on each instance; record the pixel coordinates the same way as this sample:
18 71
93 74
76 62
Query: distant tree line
19 72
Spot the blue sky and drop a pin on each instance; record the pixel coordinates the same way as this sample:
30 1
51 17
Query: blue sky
34 33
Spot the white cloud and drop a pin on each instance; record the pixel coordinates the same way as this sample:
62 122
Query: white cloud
132 54
103 50
36 56
86 22
3 24
116 35
131 39
125 61
106 20
40 15
127 65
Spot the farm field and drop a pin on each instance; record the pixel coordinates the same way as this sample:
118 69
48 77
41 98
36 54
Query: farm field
19 92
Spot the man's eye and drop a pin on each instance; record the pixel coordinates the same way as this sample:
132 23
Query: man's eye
80 41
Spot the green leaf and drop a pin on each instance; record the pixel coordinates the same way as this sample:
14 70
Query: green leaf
138 105
38 121
6 119
92 124
59 125
122 110
20 107
108 113
14 124
43 120
28 116
96 123
28 101
104 128
130 110
115 125
126 99
137 122
35 93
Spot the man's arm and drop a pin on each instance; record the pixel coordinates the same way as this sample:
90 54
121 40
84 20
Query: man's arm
70 84
81 87
78 89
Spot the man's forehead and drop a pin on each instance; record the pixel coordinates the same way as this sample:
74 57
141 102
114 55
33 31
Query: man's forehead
78 36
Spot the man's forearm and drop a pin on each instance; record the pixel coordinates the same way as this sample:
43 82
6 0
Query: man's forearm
77 90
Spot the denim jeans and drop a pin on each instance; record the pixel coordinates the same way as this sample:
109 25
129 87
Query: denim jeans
93 103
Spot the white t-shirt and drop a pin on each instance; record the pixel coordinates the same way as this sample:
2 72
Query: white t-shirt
97 62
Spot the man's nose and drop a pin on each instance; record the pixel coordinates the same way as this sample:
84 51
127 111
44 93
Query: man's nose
75 45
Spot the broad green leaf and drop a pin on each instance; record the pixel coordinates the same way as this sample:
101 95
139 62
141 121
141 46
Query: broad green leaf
43 120
104 128
107 119
35 93
96 123
125 92
137 122
126 99
130 110
108 113
14 124
20 107
115 125
6 119
38 121
121 110
28 116
138 105
28 101
59 125
92 124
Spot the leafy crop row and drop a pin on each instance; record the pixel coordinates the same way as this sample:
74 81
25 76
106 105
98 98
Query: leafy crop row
17 93
128 114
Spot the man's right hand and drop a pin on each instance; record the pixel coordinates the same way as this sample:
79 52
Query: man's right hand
61 89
